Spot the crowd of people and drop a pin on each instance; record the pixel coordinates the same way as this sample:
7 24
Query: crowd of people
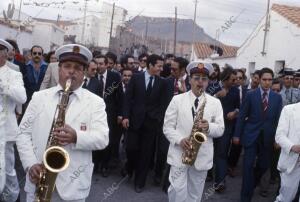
146 107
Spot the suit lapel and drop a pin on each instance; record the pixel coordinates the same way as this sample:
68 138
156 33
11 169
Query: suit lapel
259 100
108 80
270 102
155 85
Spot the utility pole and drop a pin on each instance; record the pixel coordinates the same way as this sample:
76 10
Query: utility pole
267 25
111 24
146 32
20 7
194 29
175 32
84 22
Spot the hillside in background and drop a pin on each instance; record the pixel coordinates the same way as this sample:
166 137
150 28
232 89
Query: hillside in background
163 28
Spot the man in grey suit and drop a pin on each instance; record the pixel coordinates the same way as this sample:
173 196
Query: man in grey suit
51 76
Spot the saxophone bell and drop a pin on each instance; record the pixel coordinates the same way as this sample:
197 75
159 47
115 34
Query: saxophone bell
199 137
56 159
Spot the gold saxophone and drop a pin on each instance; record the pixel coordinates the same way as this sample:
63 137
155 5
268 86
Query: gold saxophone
55 158
196 138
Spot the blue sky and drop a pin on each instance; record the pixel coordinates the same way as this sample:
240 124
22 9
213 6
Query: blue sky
211 14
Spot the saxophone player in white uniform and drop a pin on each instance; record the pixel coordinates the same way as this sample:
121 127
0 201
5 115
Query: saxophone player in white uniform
187 181
288 138
85 129
12 93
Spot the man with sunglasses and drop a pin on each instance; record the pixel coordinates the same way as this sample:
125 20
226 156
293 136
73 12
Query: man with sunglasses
229 97
289 94
187 182
142 63
35 71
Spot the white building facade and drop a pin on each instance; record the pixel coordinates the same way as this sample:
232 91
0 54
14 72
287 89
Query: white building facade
90 35
48 36
282 42
23 37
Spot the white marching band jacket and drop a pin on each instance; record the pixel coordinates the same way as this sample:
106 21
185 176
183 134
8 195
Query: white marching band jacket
12 93
86 114
287 135
178 124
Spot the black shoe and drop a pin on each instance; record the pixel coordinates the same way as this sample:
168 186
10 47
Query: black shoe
219 188
138 189
104 172
209 178
157 180
95 170
125 172
263 194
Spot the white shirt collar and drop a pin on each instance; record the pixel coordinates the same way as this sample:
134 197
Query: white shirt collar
104 75
193 98
76 92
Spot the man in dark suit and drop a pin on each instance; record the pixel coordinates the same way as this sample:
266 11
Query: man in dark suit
142 63
143 113
235 150
110 89
35 71
90 81
255 130
230 100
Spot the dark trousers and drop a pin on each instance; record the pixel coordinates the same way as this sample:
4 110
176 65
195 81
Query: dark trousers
162 147
140 148
221 147
234 155
261 153
104 156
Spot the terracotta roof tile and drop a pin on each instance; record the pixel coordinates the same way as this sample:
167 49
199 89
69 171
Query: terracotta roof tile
291 13
204 50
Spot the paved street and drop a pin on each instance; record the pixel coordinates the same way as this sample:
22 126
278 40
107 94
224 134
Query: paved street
115 189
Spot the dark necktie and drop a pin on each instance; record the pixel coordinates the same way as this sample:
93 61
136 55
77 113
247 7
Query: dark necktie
194 109
196 103
149 86
84 83
265 102
101 85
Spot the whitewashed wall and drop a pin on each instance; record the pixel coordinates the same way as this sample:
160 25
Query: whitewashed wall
24 39
282 44
47 35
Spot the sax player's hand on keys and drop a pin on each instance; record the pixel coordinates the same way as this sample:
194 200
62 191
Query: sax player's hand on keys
203 125
34 173
184 143
296 149
65 135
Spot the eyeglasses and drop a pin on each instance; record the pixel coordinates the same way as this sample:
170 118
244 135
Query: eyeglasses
288 78
198 78
37 53
267 79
